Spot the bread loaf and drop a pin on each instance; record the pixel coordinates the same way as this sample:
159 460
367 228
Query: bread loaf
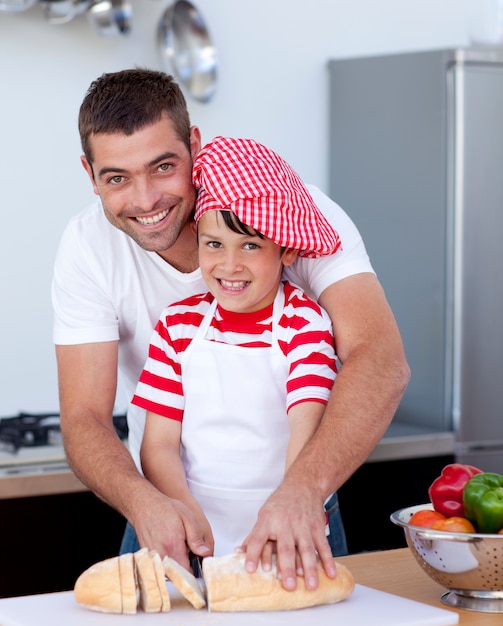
99 587
230 588
121 584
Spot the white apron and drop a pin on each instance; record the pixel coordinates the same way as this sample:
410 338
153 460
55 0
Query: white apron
235 428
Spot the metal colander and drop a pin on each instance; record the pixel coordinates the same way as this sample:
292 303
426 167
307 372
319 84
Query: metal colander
469 565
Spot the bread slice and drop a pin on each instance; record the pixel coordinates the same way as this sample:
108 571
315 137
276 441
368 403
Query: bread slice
127 576
185 582
150 596
161 581
99 587
230 587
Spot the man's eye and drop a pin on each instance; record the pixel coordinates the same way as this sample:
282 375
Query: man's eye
164 167
116 180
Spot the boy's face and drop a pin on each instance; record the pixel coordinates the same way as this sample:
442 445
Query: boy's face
144 182
242 271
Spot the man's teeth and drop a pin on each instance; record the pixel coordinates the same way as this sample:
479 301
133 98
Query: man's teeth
154 219
237 285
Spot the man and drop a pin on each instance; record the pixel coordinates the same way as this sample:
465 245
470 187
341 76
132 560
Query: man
123 259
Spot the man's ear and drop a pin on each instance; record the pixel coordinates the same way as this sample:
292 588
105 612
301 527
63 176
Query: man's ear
195 141
289 255
88 167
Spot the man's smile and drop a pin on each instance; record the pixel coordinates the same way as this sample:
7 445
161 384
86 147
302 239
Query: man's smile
154 219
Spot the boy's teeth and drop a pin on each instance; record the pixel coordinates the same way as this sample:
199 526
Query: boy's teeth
233 284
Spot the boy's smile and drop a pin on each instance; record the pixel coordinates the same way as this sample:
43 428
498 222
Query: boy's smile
242 271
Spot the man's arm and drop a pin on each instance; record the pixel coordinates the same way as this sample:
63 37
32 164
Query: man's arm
364 398
87 385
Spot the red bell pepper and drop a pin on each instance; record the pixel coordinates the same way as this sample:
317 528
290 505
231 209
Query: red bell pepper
446 491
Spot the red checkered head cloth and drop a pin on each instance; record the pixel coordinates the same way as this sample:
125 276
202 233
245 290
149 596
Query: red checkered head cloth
255 183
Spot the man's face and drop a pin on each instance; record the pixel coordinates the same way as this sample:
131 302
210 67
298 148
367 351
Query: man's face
144 182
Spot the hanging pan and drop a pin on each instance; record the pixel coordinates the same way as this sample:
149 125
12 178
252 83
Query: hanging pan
187 49
111 17
16 6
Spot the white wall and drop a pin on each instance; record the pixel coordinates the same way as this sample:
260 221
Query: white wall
272 87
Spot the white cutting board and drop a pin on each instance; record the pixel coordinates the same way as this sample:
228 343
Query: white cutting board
364 607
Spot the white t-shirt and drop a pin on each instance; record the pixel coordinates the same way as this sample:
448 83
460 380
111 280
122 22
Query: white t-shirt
106 288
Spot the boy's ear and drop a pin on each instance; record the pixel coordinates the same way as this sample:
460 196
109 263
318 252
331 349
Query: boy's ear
289 255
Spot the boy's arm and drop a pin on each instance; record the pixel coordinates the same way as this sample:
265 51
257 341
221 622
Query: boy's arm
163 466
303 420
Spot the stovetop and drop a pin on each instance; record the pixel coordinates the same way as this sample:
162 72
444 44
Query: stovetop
34 440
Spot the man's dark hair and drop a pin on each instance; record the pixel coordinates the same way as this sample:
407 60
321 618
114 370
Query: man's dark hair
126 101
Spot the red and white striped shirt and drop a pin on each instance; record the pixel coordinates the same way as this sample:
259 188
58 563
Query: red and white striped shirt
304 337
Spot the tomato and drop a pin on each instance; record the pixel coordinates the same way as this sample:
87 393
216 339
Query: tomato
454 525
426 518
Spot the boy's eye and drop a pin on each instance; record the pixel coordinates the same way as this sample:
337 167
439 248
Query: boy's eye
251 246
213 244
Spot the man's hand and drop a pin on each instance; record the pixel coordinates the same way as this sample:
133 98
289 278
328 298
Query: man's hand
169 527
292 520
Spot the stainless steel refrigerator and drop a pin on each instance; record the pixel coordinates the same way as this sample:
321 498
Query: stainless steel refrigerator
416 159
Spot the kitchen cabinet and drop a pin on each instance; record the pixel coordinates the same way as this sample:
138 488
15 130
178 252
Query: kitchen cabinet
48 541
52 526
376 490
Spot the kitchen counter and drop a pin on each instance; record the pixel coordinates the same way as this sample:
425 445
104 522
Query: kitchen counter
32 458
409 441
44 480
393 571
22 477
397 572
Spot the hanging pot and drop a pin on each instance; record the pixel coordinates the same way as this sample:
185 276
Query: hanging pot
62 11
16 6
111 17
187 49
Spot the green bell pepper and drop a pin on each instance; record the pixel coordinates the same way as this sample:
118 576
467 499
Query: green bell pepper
483 502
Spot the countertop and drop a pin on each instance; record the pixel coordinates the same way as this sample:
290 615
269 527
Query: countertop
392 572
397 572
46 481
402 441
409 441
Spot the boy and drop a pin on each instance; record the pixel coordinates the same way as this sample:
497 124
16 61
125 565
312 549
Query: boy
237 378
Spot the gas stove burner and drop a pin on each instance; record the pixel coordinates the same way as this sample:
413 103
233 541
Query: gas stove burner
41 429
28 430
